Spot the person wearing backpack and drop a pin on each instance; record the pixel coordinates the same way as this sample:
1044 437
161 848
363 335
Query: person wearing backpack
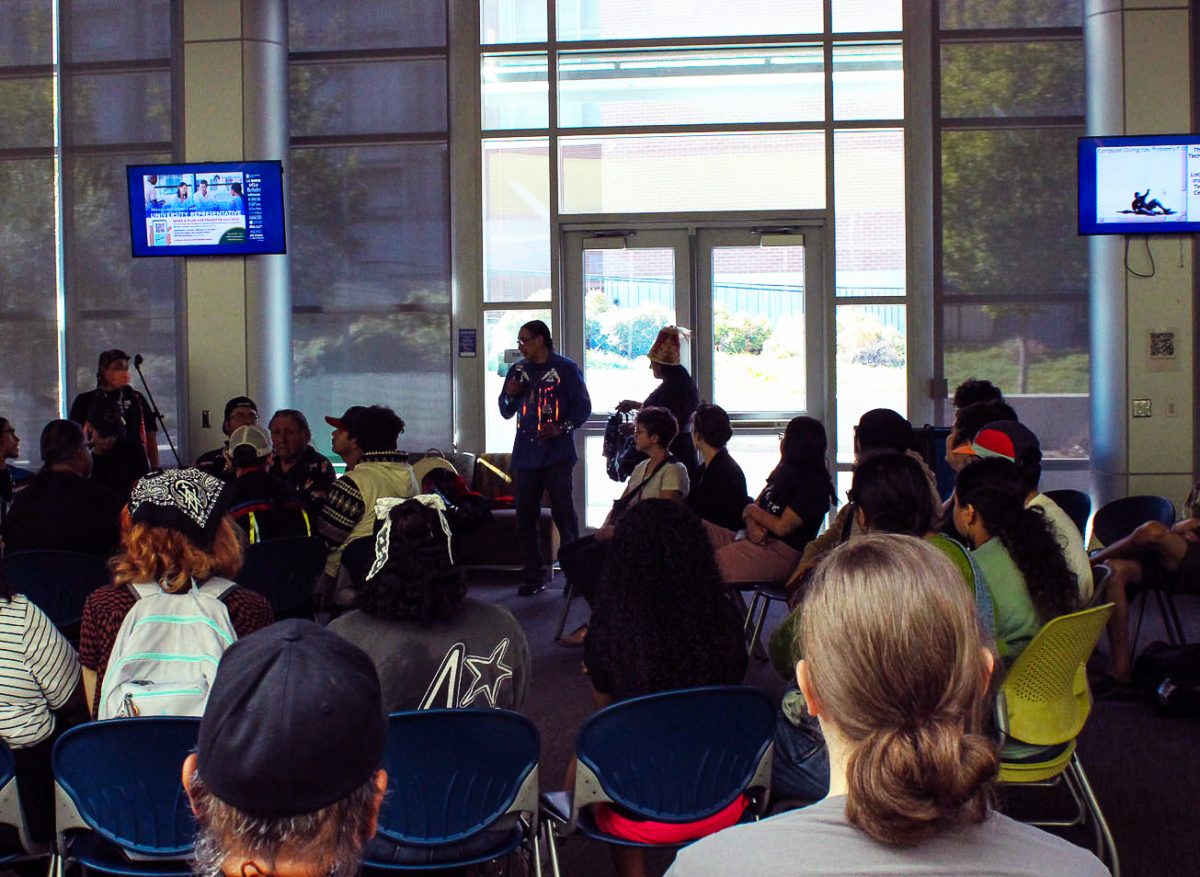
175 574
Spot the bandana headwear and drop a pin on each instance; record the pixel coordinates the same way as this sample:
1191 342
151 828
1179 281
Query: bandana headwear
668 346
186 500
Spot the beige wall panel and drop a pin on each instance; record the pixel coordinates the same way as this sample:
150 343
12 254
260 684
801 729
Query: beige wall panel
1156 72
216 327
212 97
1174 487
213 19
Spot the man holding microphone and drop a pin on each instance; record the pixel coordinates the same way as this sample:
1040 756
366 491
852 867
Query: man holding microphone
546 392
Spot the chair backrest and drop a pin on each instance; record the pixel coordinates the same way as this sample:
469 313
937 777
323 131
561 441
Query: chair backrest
453 773
678 756
1077 505
121 779
1044 699
1119 518
285 571
58 582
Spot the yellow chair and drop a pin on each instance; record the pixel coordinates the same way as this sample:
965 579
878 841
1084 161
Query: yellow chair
1042 707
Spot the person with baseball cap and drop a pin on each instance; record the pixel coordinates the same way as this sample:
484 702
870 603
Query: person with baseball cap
239 411
287 775
1017 443
112 385
365 437
262 504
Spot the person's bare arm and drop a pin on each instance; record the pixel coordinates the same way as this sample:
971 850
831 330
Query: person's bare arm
777 525
89 686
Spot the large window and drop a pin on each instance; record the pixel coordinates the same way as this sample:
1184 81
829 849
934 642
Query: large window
1012 284
98 89
370 246
607 109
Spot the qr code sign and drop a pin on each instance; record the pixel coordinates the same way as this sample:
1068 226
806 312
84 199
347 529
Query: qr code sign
1162 345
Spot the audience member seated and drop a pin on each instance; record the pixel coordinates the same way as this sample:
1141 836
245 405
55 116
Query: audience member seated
1017 551
787 514
179 537
61 509
889 495
366 439
662 622
880 430
1154 552
719 492
432 645
1014 442
297 462
286 778
42 697
239 411
967 423
263 505
659 476
896 674
112 385
117 462
974 390
12 478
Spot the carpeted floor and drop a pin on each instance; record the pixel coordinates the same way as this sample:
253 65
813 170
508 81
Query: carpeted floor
1143 767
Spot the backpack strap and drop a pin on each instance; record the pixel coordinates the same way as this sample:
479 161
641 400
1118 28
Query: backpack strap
216 586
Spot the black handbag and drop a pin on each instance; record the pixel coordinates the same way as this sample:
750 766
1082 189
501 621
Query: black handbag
621 456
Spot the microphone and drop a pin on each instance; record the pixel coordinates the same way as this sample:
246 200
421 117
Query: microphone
137 360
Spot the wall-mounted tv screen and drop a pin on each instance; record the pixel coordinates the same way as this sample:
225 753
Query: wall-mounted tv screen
1139 185
217 209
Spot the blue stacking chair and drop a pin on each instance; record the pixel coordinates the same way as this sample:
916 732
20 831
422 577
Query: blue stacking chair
1077 505
285 571
119 800
462 789
57 582
1118 519
678 756
15 842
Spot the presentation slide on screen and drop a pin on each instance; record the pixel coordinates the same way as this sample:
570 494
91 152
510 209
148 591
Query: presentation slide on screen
203 209
1148 184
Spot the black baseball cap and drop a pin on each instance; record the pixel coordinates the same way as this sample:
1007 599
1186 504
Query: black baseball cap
294 721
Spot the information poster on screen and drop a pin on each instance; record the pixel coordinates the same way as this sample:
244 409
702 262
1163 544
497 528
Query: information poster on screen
227 209
1148 185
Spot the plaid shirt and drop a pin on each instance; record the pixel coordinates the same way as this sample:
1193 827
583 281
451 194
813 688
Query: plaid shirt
107 607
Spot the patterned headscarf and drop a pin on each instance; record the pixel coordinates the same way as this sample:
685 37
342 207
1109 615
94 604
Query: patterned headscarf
186 500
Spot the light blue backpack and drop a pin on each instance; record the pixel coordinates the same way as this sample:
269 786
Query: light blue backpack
167 650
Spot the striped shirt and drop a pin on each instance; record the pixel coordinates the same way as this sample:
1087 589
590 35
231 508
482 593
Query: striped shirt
38 672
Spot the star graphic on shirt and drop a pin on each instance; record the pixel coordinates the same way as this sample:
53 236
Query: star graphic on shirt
495 671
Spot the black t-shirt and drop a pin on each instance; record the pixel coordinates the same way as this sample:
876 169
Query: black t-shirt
804 492
719 492
120 467
63 512
133 407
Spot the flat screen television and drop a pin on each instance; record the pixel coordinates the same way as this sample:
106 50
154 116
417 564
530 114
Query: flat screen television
1139 185
232 208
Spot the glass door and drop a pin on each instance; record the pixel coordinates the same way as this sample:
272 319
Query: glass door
623 285
750 294
762 355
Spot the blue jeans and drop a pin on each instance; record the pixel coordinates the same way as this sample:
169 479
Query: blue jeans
530 484
800 764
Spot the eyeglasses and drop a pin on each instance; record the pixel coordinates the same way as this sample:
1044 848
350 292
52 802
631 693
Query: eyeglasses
524 339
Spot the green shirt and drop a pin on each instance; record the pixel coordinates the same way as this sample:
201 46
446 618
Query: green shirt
1016 619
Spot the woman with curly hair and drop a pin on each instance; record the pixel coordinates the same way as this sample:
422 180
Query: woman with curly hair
416 622
1017 551
662 622
178 537
787 514
896 672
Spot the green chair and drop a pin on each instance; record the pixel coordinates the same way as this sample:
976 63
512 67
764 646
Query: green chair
1042 707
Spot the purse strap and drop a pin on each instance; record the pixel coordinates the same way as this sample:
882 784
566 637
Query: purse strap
628 498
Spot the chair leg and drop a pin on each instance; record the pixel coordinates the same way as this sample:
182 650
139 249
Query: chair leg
748 624
552 848
1137 630
1172 613
569 596
537 852
759 650
1107 844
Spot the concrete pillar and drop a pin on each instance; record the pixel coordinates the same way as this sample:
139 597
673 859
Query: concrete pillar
1138 69
237 310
